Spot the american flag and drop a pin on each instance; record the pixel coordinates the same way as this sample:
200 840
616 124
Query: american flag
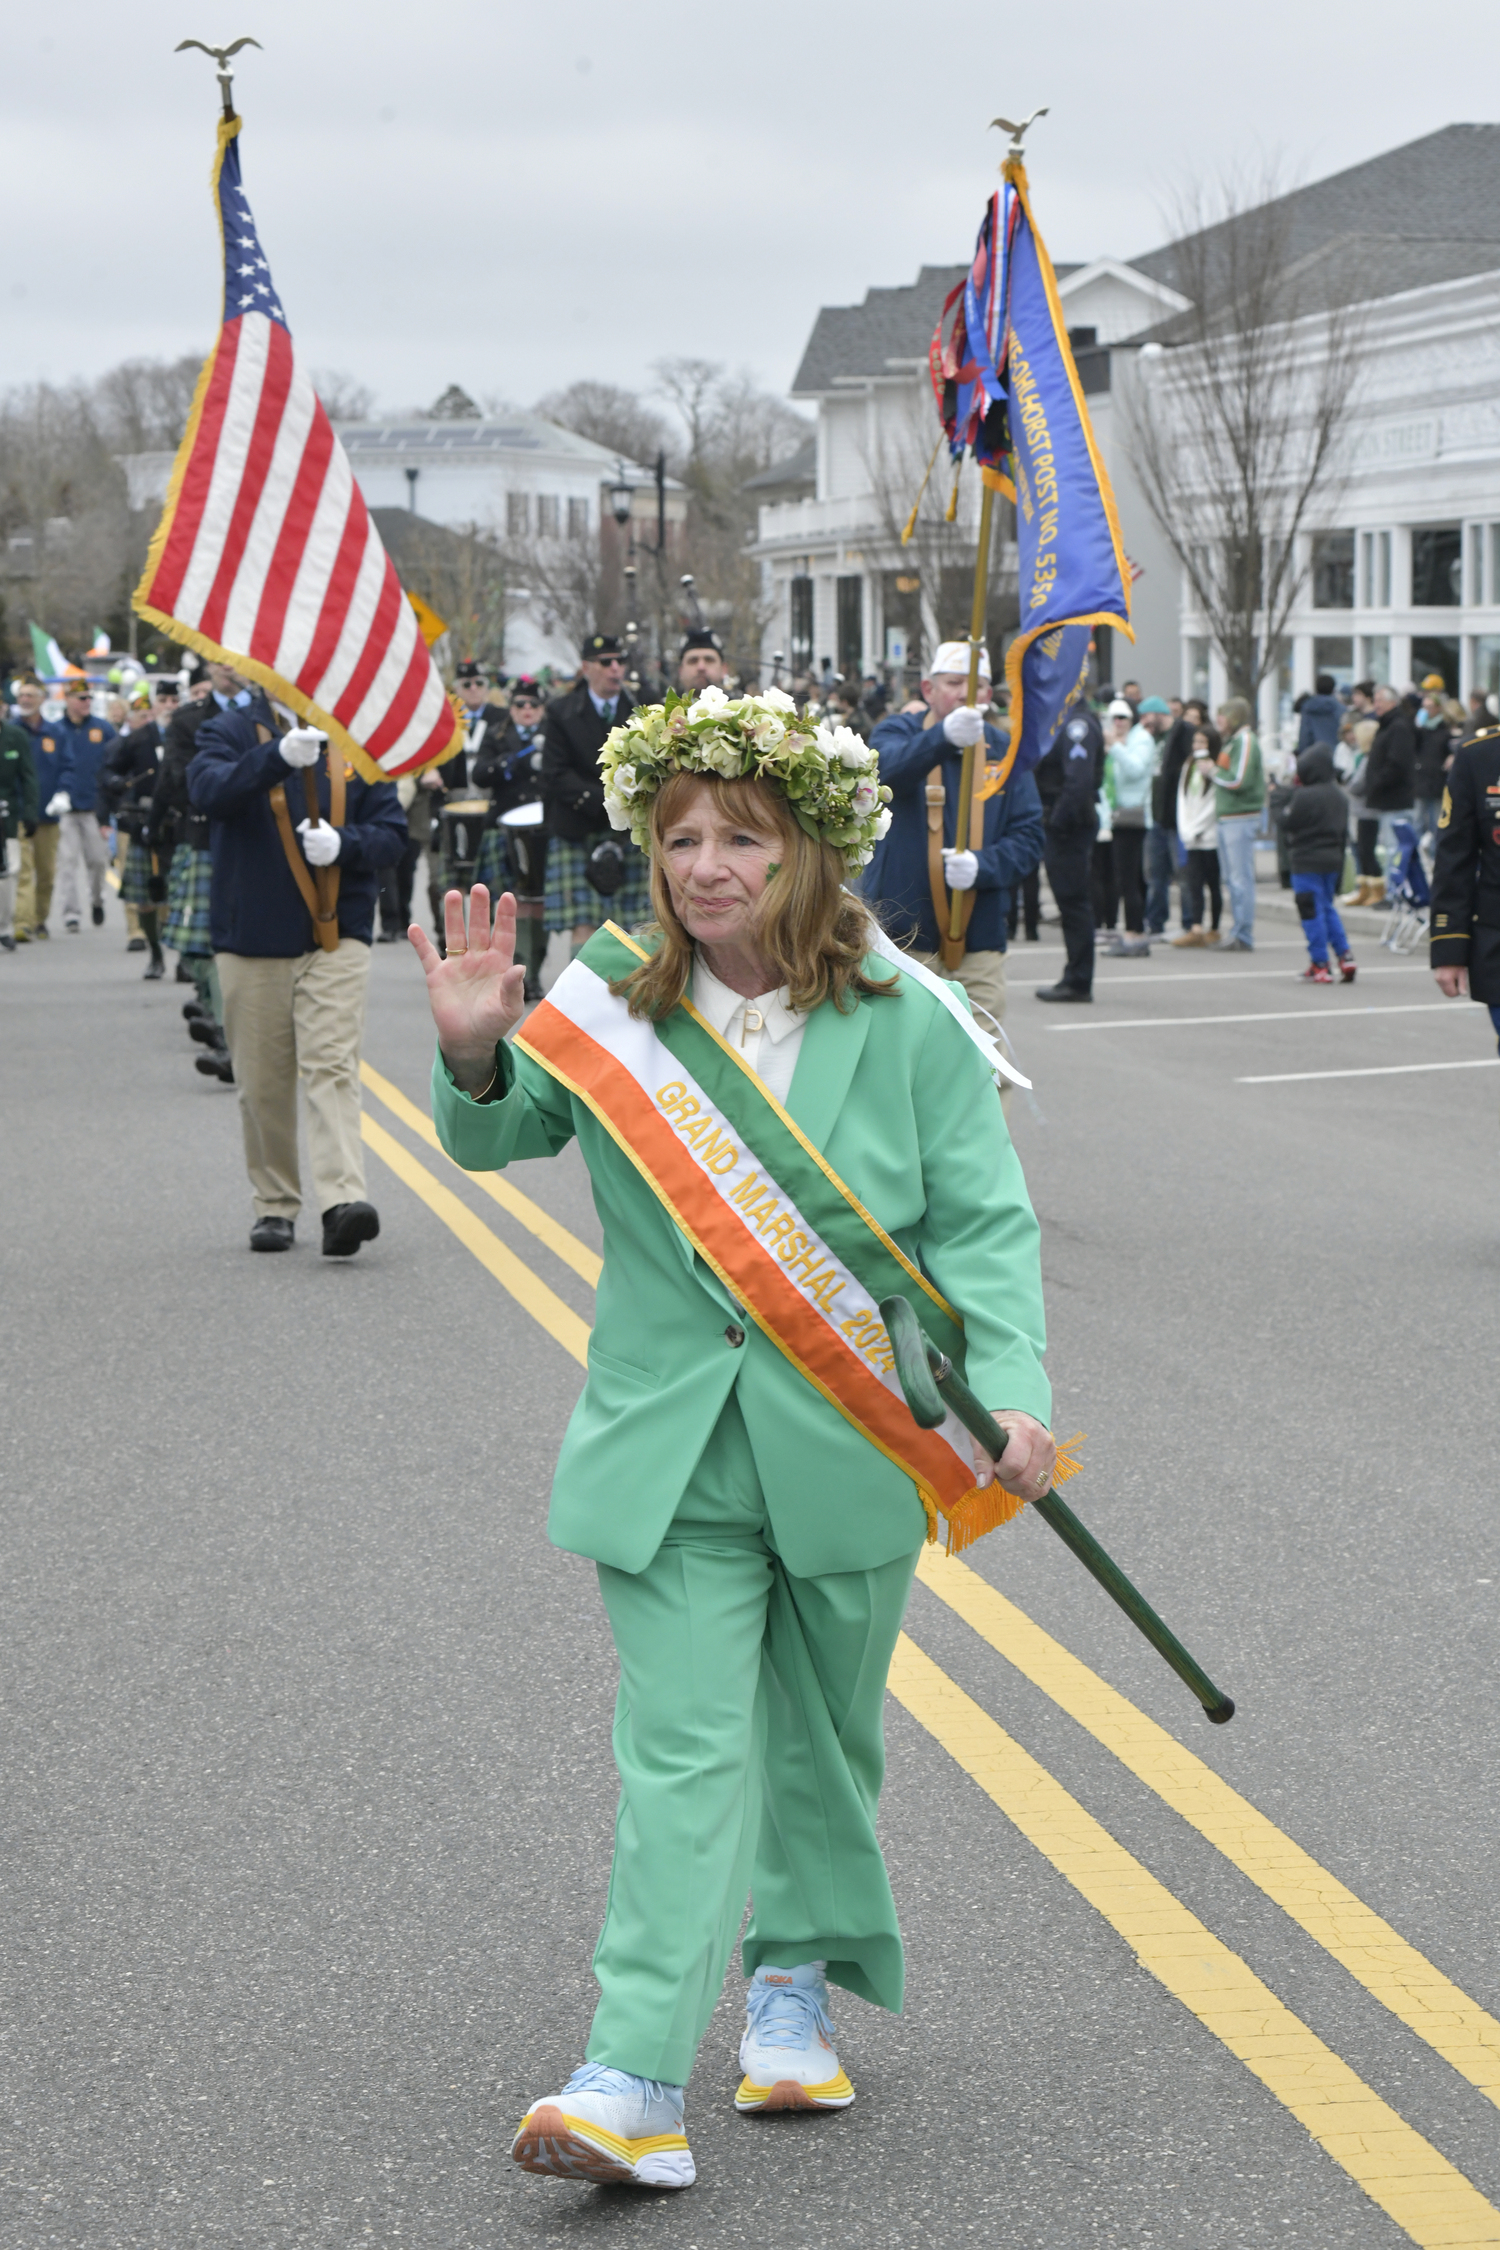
265 557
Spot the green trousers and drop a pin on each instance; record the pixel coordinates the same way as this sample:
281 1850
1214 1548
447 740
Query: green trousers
749 1738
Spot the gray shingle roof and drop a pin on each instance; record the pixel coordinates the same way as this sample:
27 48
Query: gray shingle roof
860 340
1429 211
799 468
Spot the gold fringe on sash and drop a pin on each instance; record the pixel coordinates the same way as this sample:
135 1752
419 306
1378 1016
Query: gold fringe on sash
986 1508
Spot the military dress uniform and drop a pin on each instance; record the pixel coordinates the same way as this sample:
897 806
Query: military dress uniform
507 768
1466 876
179 838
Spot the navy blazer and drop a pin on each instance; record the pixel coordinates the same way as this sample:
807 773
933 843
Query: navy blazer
256 905
896 882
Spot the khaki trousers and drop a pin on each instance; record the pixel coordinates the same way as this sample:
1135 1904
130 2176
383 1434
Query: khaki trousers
289 1018
83 847
38 872
982 976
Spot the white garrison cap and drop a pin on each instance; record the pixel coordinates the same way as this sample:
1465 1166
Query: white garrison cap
953 656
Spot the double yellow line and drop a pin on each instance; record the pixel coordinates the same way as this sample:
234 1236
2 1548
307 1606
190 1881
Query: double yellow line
1395 2165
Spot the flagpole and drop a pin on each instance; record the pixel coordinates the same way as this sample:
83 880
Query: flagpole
962 903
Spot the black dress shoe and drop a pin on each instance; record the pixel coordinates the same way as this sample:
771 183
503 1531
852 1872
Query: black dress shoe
215 1065
184 974
346 1226
272 1234
96 916
207 1033
136 945
8 943
192 1010
153 970
1061 992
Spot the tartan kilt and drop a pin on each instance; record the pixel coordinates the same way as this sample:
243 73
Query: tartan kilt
189 884
496 865
572 898
136 874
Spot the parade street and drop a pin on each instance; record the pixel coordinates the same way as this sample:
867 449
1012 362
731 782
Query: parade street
305 1764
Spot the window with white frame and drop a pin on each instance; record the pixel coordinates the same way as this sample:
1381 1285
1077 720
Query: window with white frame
546 515
1374 570
517 514
578 519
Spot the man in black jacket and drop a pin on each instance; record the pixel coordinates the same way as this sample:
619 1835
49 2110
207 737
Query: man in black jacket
593 872
1466 877
294 886
1068 781
508 770
127 784
1391 771
18 805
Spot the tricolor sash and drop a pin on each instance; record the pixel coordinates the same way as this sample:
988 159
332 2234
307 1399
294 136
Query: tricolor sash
764 1208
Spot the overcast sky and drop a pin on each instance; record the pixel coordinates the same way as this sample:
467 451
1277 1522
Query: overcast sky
512 196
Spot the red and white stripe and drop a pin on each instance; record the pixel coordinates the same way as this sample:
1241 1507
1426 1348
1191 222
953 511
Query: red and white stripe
270 555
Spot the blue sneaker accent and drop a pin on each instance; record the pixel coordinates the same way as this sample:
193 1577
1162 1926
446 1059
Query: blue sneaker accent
787 2052
610 2127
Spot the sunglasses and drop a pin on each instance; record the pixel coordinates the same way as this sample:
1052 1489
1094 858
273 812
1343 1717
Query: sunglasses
611 660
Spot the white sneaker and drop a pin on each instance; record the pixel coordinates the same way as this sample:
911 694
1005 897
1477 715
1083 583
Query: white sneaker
609 2127
787 2053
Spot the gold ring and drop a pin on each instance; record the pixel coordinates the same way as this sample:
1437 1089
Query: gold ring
453 950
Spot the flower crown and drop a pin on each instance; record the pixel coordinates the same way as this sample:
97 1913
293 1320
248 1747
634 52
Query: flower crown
828 775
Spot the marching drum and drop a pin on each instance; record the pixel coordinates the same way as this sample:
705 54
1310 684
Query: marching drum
462 821
526 840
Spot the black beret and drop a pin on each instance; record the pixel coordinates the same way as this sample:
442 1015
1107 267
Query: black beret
469 670
704 637
603 644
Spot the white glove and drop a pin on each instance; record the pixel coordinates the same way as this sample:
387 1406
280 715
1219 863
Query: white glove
321 845
960 869
59 804
963 726
302 747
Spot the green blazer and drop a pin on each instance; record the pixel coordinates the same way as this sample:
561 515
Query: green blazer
900 1103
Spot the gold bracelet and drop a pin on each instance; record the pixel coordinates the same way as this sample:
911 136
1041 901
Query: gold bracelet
486 1091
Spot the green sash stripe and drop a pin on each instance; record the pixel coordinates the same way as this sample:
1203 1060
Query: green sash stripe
739 1098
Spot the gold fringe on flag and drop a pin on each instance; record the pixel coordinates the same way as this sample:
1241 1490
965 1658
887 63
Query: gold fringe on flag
953 498
911 521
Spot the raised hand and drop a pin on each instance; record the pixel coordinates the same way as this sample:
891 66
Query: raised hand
478 995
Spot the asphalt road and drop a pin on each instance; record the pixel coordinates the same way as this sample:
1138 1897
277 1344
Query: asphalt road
305 1793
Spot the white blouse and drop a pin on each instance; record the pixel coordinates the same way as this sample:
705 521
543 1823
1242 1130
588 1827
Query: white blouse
764 1031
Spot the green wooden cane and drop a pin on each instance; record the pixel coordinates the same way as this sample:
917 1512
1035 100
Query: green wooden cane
932 1386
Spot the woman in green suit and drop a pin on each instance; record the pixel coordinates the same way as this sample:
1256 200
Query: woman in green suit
780 1124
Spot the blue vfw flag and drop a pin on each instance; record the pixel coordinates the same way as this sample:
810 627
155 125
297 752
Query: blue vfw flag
1008 392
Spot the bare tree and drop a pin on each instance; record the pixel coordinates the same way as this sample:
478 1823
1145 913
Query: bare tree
70 539
1238 416
343 398
610 416
938 556
566 582
143 404
733 429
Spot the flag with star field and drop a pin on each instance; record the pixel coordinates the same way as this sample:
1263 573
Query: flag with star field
265 557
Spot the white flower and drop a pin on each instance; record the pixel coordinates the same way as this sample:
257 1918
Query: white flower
843 744
864 798
721 755
623 782
618 810
774 699
882 822
711 702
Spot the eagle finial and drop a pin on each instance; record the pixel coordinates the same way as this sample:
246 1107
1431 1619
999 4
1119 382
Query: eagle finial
222 56
1017 132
